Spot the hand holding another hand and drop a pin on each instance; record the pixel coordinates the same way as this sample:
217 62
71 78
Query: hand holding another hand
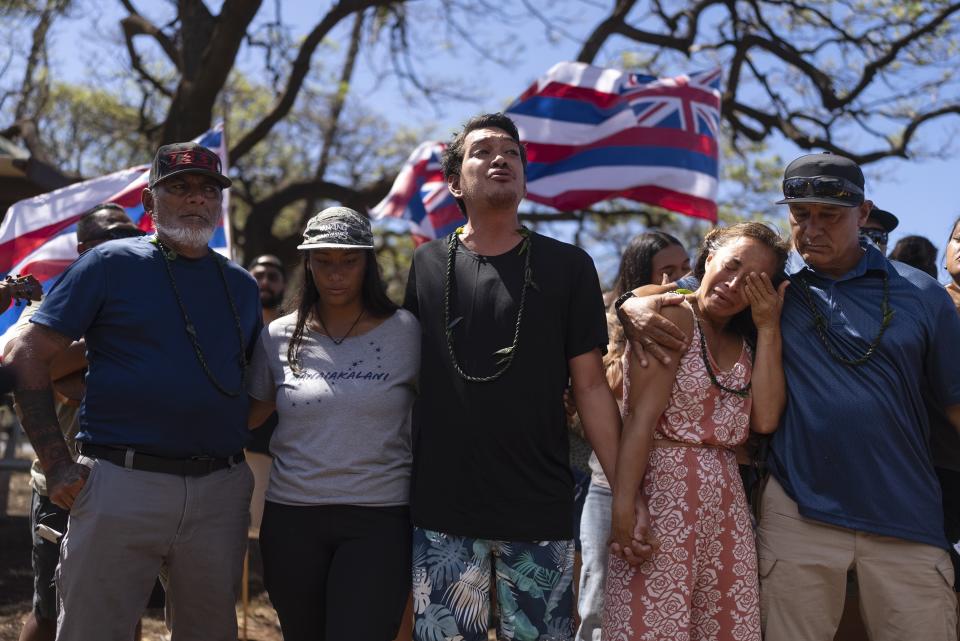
631 537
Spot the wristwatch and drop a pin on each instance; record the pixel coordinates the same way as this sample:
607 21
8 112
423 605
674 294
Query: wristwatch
621 299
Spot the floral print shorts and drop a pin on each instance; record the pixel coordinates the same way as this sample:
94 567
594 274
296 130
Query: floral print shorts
452 577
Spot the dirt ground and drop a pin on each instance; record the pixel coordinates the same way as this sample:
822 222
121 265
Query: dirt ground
16 578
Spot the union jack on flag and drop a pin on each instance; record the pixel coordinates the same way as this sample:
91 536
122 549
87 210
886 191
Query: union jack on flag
39 235
419 195
592 134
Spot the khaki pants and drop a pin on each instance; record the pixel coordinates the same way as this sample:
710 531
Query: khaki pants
905 587
126 524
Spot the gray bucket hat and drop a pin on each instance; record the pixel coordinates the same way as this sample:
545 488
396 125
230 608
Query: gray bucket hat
337 228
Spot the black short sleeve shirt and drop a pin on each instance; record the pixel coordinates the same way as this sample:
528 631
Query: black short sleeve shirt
491 459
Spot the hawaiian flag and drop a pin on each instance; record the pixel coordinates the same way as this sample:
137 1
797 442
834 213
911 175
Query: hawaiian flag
419 195
39 235
592 134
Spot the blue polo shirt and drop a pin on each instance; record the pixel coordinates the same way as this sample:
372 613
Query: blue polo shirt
852 447
146 388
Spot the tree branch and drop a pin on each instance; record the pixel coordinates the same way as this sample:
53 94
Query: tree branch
136 25
131 27
301 65
597 38
37 52
191 110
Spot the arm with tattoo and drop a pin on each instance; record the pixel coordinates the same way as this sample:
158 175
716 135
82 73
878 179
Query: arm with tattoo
32 354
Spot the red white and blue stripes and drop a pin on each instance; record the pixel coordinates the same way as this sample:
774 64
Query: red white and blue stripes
593 134
419 195
39 235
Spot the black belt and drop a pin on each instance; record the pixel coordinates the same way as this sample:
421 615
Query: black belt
134 460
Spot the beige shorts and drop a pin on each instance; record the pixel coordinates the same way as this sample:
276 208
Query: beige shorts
905 588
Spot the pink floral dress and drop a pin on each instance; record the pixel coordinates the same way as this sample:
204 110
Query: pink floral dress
702 582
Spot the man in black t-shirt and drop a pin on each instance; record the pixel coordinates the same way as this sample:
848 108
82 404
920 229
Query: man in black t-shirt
508 316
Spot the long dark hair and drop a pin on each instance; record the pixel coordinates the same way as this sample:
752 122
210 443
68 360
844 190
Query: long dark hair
373 294
636 270
918 252
636 264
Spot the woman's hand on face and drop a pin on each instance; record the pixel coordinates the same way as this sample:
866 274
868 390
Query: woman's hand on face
766 303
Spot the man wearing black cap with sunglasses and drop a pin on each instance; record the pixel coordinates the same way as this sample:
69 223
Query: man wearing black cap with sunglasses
160 480
852 486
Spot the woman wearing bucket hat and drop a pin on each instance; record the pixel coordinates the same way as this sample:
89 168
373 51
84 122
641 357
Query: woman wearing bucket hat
341 372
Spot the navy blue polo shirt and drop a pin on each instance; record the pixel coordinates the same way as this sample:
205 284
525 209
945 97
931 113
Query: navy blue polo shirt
852 447
146 388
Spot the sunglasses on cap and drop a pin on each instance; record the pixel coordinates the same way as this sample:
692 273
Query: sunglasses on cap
878 236
822 187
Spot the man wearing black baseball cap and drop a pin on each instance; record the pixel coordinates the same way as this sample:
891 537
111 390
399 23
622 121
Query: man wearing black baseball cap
161 479
852 485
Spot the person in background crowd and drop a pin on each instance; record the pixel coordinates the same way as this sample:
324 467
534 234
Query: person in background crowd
944 440
272 281
650 257
681 423
878 226
952 263
48 521
918 252
160 480
865 342
341 373
508 317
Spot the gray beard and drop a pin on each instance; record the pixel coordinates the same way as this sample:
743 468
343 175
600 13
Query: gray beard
185 236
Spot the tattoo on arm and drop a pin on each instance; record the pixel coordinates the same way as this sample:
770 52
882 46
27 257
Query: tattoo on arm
31 356
41 425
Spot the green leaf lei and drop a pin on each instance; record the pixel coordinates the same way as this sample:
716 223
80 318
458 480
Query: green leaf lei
506 355
170 255
821 325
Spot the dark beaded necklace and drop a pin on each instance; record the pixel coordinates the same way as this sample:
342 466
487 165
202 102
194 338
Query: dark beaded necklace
337 341
821 325
506 354
167 256
743 392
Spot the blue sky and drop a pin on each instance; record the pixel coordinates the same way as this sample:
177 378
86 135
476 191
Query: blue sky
919 191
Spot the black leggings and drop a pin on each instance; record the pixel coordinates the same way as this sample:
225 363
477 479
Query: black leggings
337 571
